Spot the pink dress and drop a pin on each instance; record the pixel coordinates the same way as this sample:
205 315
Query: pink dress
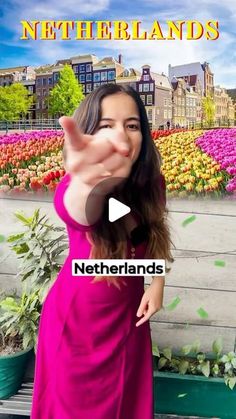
92 361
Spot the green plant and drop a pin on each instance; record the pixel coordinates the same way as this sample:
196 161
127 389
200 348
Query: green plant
19 321
192 361
39 248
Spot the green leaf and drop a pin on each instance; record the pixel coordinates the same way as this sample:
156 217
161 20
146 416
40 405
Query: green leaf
232 382
189 220
155 350
220 263
186 349
173 304
2 238
202 313
183 366
206 368
161 363
15 237
167 352
217 346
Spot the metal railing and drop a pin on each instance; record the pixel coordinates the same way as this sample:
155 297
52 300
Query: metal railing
30 124
42 124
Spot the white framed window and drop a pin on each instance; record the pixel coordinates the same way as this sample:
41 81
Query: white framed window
89 77
146 87
75 68
88 67
104 76
96 85
140 88
82 78
169 114
165 114
146 77
89 88
149 99
151 87
82 68
96 77
143 98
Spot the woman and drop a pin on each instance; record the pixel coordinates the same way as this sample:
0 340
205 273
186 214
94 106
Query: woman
94 359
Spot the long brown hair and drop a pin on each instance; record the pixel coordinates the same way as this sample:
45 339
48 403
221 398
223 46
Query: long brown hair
142 191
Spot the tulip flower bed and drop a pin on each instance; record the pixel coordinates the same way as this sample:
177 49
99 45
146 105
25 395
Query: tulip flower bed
31 162
220 144
188 170
195 163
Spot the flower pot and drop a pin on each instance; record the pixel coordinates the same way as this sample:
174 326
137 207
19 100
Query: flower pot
192 395
12 370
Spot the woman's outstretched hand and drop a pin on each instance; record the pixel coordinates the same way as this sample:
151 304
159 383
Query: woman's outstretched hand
152 300
95 157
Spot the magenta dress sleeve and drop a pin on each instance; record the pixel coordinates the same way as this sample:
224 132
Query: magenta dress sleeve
60 206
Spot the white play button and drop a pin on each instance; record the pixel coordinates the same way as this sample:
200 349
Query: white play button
116 209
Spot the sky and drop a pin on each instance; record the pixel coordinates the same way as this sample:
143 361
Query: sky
220 54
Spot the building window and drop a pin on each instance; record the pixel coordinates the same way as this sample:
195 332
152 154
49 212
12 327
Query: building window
104 76
88 88
96 77
39 82
49 80
149 114
75 68
149 99
96 85
111 75
140 88
165 102
151 87
143 98
56 77
146 77
82 78
23 78
146 87
44 82
89 77
165 114
82 68
30 89
169 114
88 67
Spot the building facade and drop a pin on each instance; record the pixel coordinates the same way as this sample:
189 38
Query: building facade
201 71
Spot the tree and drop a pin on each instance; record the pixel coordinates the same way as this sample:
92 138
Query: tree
14 102
65 97
208 107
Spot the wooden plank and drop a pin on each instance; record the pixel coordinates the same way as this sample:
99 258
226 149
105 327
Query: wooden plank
220 306
203 206
177 335
206 232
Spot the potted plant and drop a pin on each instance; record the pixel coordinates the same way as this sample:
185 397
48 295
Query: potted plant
39 248
19 317
191 382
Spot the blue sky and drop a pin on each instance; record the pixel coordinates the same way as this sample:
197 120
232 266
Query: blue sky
221 54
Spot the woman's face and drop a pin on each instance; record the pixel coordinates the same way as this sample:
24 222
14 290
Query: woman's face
120 119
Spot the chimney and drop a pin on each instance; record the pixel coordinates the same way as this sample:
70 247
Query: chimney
120 59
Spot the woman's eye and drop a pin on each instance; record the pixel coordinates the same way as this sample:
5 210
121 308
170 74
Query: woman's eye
133 126
104 126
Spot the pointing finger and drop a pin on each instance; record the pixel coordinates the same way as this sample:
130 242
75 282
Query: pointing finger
74 139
